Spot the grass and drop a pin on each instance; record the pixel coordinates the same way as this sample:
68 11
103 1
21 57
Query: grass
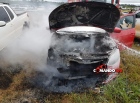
124 89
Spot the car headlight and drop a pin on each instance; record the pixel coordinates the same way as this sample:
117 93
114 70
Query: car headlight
114 57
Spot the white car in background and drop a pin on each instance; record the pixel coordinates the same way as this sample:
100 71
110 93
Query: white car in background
11 24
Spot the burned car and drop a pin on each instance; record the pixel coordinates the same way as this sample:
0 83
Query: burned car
81 42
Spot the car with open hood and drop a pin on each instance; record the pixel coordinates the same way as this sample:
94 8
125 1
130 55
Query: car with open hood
81 44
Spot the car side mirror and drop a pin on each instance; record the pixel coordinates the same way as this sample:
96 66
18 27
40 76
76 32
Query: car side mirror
2 23
117 30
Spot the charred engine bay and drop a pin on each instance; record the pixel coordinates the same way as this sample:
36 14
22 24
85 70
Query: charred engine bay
76 54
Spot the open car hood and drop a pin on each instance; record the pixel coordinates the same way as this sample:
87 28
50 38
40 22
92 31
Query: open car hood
91 13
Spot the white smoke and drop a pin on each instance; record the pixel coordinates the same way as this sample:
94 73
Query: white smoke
32 45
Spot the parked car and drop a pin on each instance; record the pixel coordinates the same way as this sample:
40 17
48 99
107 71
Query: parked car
81 40
11 24
124 31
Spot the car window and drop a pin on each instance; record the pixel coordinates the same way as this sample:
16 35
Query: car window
9 12
126 22
3 15
138 15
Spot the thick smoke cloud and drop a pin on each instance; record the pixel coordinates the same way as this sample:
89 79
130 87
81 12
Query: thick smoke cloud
32 45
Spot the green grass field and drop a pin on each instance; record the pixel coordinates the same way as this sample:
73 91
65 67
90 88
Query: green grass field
124 89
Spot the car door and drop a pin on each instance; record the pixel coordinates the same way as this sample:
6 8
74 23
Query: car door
6 30
127 33
16 24
138 25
